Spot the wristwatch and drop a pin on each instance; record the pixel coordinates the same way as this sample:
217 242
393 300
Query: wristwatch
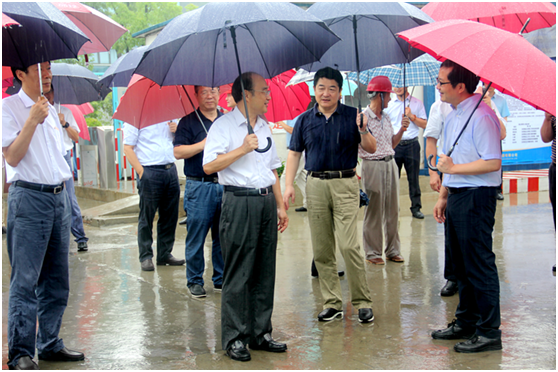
66 125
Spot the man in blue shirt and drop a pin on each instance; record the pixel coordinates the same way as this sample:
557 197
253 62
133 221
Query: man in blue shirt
202 194
467 202
329 135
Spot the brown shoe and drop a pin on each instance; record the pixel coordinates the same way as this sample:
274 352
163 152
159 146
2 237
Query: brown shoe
396 258
377 261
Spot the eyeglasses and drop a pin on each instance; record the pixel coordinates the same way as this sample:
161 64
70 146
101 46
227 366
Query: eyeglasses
438 82
267 92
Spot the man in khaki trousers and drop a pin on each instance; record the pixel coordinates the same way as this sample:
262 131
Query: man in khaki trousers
330 138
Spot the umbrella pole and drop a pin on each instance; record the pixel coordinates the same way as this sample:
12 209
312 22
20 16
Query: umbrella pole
40 79
196 111
462 130
358 70
250 129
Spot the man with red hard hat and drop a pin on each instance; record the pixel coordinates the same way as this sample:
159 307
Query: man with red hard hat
380 178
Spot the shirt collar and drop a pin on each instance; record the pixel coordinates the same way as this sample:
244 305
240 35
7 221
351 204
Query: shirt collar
239 118
338 110
28 102
468 102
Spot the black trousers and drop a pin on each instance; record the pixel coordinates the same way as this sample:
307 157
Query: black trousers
470 222
552 190
248 231
409 156
448 266
158 190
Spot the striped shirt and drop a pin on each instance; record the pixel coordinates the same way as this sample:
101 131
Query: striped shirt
382 130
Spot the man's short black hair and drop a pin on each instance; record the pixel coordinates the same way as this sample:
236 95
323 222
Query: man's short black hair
247 80
460 74
329 73
14 69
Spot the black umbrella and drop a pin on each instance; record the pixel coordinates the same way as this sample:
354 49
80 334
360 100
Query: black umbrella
73 85
46 34
267 38
120 72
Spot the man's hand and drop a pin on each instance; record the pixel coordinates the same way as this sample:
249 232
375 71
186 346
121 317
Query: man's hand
172 126
39 111
140 171
445 164
61 118
250 143
283 220
435 181
288 194
405 122
440 210
364 122
409 114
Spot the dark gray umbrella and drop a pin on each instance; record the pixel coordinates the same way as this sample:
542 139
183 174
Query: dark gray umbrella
73 85
120 72
266 38
46 35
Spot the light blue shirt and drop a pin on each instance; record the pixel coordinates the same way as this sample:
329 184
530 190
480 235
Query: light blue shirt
501 105
291 123
481 140
152 144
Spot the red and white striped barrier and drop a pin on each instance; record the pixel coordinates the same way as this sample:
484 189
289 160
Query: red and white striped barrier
525 181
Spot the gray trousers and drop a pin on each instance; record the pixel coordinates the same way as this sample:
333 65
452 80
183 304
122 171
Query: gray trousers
248 231
380 180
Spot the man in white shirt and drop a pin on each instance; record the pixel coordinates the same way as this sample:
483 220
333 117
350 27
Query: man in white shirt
39 219
71 135
150 151
251 212
408 151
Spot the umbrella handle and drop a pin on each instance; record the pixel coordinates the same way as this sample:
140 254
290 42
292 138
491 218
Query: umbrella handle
430 166
251 131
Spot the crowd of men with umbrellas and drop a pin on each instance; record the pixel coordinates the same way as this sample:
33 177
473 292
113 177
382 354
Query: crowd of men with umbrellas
231 159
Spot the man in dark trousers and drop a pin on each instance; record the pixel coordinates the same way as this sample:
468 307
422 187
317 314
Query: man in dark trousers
202 194
39 220
467 202
252 206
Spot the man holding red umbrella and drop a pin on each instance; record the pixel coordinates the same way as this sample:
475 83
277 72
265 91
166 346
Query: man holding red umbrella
467 202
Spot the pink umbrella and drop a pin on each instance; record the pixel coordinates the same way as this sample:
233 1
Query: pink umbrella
146 103
507 16
79 111
7 21
102 30
286 102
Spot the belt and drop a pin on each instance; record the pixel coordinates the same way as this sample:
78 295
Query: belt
53 189
386 159
247 191
328 175
459 190
406 142
164 166
203 179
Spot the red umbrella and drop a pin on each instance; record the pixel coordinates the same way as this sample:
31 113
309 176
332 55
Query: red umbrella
507 16
511 63
286 102
7 21
102 30
79 111
146 103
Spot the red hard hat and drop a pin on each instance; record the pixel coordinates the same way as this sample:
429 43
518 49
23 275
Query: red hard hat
379 84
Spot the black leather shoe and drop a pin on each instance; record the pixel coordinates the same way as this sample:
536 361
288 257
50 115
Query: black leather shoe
82 247
64 355
500 196
477 344
268 344
449 289
147 265
238 351
301 209
172 261
330 314
25 362
418 214
197 291
365 315
453 332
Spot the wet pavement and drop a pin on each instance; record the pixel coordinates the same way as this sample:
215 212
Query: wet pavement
123 318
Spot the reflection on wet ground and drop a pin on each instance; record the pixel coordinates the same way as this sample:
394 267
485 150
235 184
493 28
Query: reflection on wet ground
123 318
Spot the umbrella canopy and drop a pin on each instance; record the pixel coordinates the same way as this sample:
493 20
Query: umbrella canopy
420 72
100 29
544 39
7 21
197 47
120 72
79 111
73 85
375 26
511 63
507 16
146 103
46 35
287 102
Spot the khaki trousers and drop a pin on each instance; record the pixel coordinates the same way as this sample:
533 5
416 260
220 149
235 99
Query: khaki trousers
380 181
332 214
